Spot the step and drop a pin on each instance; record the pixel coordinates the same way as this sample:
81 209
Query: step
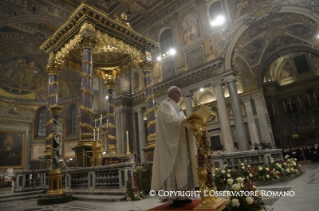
14 198
104 198
21 194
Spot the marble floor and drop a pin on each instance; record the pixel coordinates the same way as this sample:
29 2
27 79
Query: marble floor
306 188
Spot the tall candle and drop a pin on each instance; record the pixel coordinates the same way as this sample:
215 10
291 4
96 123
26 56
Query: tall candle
94 134
127 136
107 123
101 120
98 134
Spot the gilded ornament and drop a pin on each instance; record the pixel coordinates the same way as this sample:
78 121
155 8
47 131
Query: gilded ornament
111 115
53 68
87 62
111 125
111 137
87 110
87 126
52 95
151 137
87 76
87 92
149 97
150 110
112 105
151 123
56 109
150 145
49 137
53 83
48 146
49 122
86 135
112 148
147 66
148 86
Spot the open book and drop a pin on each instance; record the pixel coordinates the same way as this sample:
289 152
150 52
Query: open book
202 114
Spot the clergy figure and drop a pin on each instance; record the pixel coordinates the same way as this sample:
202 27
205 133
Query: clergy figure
174 166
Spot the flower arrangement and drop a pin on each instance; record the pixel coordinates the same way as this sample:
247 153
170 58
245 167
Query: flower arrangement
132 191
240 201
243 178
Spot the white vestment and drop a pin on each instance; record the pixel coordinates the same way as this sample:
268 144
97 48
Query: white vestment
171 152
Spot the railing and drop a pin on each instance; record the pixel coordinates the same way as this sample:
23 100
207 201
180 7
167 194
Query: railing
233 160
109 179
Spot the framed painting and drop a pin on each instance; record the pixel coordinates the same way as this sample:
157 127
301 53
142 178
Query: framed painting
68 152
12 149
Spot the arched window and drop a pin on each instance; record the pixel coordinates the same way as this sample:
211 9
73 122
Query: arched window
73 120
42 119
166 41
215 10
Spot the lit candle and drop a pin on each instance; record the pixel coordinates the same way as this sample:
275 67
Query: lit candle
101 120
127 136
94 134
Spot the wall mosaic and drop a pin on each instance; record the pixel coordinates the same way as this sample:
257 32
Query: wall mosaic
168 70
194 58
21 75
190 27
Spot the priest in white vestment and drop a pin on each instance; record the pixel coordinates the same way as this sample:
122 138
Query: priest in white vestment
174 166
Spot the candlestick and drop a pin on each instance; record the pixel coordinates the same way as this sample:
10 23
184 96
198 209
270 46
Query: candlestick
127 136
94 134
101 120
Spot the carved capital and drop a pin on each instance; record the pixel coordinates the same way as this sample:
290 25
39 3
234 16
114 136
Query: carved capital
230 78
147 66
53 68
217 82
88 41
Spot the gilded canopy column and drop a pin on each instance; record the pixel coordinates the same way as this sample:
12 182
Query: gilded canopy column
88 41
53 69
150 110
110 85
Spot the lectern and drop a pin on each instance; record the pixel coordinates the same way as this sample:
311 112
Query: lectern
205 160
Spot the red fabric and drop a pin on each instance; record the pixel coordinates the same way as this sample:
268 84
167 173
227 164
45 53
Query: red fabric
189 206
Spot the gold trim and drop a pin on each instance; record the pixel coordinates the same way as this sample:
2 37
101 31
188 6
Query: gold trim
50 136
49 122
148 86
53 82
150 110
87 110
150 145
87 126
87 62
147 75
151 137
110 95
112 115
151 123
149 97
86 135
52 95
111 125
48 146
87 92
87 51
112 148
111 137
87 76
109 104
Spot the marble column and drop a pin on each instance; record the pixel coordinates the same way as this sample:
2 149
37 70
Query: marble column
264 126
122 122
254 138
87 44
118 126
223 117
141 133
188 103
110 84
149 101
53 69
237 113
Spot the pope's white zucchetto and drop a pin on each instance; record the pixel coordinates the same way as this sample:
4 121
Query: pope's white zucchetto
170 89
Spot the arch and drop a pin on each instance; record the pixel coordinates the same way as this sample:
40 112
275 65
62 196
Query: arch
284 9
286 50
204 97
213 7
